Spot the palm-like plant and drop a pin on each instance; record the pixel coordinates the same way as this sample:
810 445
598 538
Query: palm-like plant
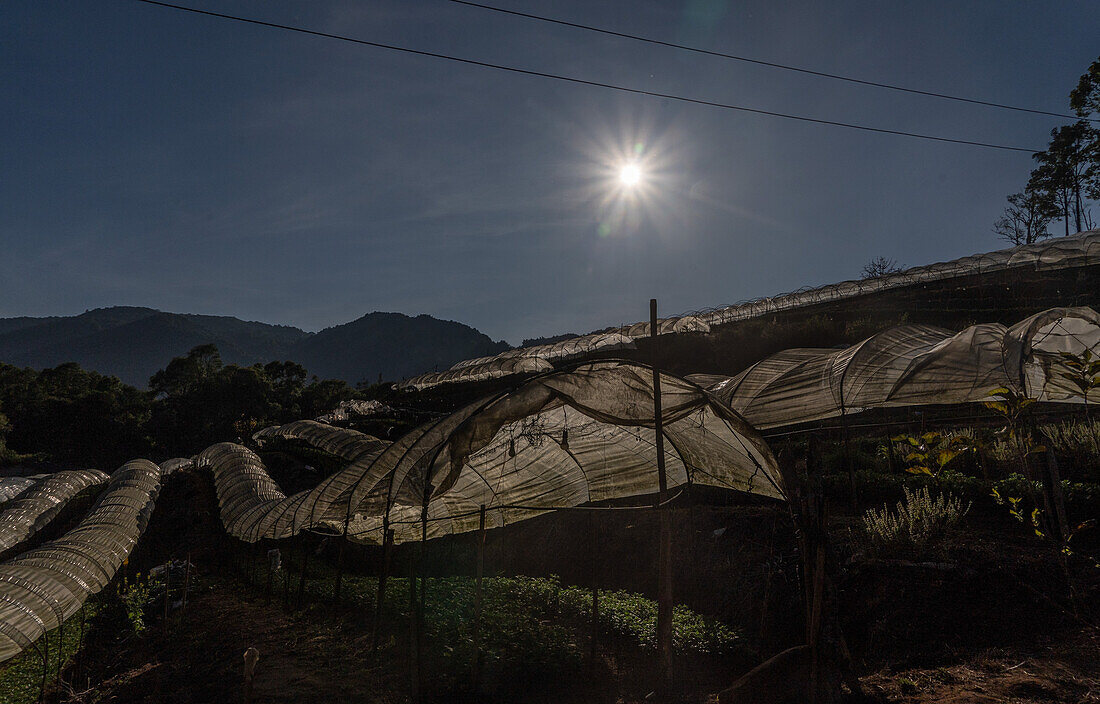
1083 371
931 452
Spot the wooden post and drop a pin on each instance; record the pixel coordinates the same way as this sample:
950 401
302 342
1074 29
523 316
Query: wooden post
270 576
60 656
167 585
596 564
302 576
414 635
1054 482
186 585
45 665
852 499
251 657
421 566
286 577
664 552
79 666
387 551
814 626
340 561
477 595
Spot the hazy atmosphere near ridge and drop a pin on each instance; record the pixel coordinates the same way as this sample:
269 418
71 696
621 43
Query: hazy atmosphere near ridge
155 158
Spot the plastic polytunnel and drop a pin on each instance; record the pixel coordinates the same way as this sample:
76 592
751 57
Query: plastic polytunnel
915 365
252 505
1078 250
10 487
495 368
34 508
40 588
558 441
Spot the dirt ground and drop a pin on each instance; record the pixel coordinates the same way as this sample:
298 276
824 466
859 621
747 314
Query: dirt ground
1066 670
308 658
311 656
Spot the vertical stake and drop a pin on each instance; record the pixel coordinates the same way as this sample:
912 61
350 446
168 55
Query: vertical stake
302 576
167 584
286 578
596 574
340 561
186 585
270 575
45 665
853 503
421 568
387 553
414 635
60 656
664 551
477 595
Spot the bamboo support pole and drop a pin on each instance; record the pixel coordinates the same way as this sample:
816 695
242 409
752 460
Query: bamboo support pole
387 552
477 595
664 551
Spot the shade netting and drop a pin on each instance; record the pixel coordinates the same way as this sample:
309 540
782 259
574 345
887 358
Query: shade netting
1057 253
10 487
915 365
252 505
40 588
31 510
557 441
490 369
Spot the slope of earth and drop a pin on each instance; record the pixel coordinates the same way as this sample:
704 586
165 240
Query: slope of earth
1053 670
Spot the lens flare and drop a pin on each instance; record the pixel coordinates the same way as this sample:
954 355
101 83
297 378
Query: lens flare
630 174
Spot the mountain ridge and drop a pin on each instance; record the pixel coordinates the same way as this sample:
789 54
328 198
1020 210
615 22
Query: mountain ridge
133 343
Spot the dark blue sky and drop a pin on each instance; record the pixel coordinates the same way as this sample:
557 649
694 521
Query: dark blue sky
151 157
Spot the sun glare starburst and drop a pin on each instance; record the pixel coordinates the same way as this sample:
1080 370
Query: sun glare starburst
630 174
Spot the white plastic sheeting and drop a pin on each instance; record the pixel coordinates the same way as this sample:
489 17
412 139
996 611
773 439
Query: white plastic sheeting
252 505
1056 253
492 369
914 365
10 487
342 442
559 440
34 508
40 588
529 360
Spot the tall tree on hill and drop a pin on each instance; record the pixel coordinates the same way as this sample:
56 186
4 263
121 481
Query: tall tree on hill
1085 100
1027 218
1066 176
1065 172
879 267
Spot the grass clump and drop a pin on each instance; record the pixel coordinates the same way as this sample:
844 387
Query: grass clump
918 524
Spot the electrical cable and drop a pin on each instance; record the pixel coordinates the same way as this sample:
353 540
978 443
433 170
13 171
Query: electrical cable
586 82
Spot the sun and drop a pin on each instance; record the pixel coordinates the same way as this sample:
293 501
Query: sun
630 174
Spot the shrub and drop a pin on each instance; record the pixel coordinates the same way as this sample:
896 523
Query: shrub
919 523
135 598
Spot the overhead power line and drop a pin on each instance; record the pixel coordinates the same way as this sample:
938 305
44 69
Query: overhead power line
585 82
771 64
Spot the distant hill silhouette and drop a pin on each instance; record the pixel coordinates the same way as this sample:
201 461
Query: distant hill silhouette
133 343
391 344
